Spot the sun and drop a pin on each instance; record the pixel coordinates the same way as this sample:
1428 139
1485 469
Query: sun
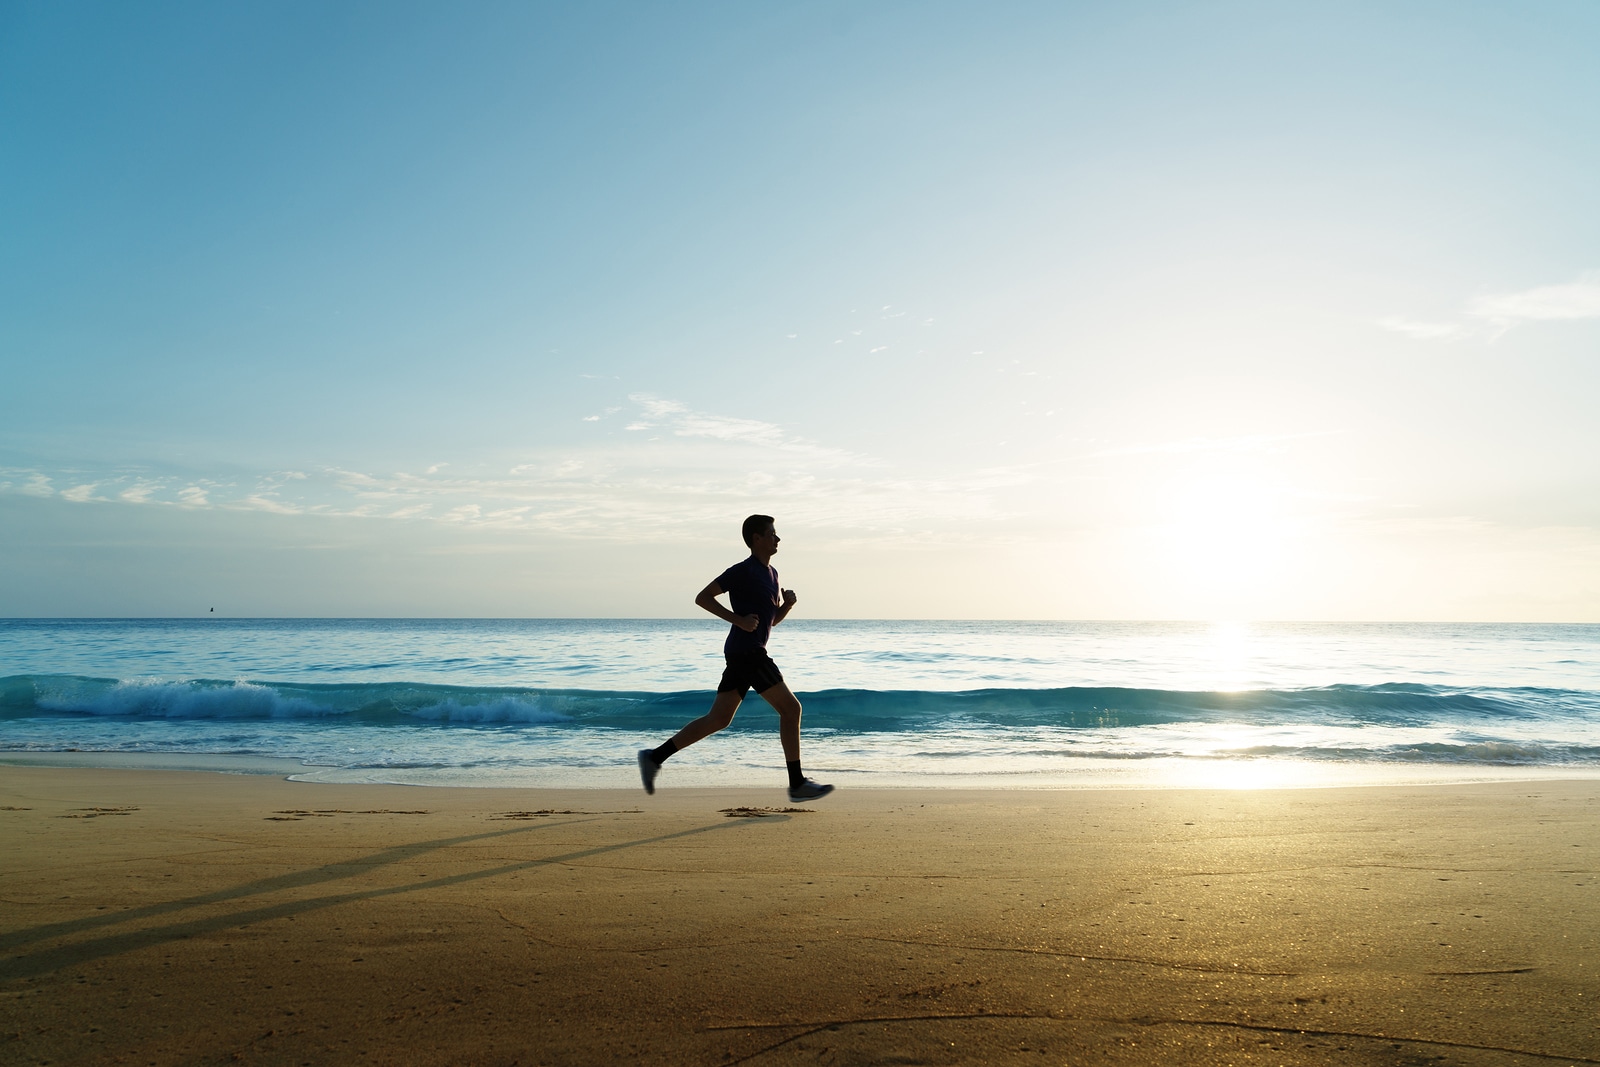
1221 544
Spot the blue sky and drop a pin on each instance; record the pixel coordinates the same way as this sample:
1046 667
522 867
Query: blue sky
1058 310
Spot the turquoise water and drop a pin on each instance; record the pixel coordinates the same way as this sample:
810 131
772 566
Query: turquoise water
566 702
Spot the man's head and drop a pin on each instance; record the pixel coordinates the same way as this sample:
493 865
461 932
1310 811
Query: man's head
759 528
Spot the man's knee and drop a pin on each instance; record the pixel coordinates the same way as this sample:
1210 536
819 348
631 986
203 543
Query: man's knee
722 711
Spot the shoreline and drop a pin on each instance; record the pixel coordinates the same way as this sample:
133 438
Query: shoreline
1084 774
182 916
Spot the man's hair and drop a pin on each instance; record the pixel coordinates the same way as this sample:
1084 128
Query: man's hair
754 525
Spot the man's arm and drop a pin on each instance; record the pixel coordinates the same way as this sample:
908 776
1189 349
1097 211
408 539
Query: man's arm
708 600
782 613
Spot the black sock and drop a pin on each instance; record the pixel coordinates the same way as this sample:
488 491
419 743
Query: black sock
660 754
795 777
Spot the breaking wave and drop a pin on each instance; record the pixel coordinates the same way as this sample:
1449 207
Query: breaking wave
849 710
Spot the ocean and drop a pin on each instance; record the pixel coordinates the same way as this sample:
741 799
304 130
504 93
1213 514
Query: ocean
567 702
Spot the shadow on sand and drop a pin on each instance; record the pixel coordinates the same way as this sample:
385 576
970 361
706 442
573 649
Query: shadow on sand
44 961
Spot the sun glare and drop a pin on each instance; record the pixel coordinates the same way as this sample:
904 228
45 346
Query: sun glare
1223 546
1229 656
1245 774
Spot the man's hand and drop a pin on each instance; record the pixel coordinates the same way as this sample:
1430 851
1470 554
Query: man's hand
783 611
747 623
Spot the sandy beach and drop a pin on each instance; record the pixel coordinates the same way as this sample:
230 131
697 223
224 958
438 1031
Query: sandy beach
165 917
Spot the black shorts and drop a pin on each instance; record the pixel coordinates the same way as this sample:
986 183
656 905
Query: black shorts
750 670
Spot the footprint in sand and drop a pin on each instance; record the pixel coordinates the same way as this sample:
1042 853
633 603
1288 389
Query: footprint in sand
328 813
761 813
94 813
545 812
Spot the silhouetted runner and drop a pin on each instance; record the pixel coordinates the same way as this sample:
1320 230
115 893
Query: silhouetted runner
759 604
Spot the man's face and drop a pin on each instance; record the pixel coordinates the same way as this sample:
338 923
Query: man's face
765 542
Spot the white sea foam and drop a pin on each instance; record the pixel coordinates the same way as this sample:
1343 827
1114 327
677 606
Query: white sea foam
186 700
504 710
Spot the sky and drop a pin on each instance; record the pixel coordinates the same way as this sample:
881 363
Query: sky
1005 310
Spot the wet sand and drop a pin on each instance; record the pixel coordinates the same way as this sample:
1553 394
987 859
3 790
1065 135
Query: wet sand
169 917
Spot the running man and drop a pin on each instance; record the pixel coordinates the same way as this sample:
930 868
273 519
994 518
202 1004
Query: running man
759 604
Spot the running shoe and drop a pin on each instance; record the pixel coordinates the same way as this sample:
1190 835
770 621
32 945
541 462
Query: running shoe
809 789
648 769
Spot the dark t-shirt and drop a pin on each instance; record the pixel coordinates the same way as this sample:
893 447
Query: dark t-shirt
752 589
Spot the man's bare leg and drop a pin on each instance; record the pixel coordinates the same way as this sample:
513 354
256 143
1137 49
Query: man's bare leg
720 715
718 718
787 705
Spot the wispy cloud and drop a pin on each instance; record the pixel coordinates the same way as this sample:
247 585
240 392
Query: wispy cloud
1573 300
682 421
264 502
1491 316
674 483
139 492
1427 331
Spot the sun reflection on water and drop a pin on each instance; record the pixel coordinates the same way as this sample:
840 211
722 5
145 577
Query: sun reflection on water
1229 655
1246 774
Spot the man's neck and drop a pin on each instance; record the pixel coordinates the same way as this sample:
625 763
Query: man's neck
765 561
